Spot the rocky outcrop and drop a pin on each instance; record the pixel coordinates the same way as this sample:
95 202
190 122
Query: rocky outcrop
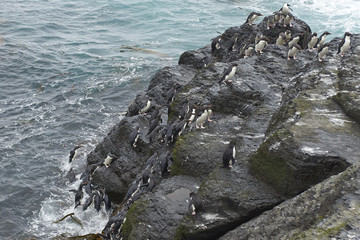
295 123
327 210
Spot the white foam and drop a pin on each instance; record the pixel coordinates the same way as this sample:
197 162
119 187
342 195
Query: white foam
313 151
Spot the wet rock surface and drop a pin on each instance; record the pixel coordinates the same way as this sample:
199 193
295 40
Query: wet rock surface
295 124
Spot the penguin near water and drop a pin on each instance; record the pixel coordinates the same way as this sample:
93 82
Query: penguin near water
270 22
285 9
312 42
321 39
74 153
288 19
252 17
229 155
323 51
195 203
134 136
277 17
233 43
344 44
215 43
228 74
146 107
108 160
293 51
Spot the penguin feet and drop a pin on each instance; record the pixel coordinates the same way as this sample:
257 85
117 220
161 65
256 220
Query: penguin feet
288 58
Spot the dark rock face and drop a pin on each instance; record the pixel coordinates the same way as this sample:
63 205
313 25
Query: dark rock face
295 123
327 210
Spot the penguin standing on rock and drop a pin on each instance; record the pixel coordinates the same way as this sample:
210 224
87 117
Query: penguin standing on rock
323 51
288 35
258 36
270 22
321 39
195 203
312 42
146 107
154 123
288 18
209 114
344 44
215 43
201 120
108 160
280 41
285 9
228 74
252 17
295 40
134 136
229 155
293 51
249 51
232 43
260 45
277 17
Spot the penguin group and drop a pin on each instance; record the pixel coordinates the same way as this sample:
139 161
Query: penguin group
240 46
88 194
163 123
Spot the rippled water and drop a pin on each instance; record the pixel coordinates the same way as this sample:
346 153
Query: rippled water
68 71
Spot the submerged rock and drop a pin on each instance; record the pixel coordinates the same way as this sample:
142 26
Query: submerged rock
296 123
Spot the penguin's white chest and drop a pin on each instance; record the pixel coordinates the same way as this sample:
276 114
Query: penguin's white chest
287 19
323 52
312 42
108 161
280 41
322 40
260 45
293 41
293 51
249 51
234 152
231 74
346 45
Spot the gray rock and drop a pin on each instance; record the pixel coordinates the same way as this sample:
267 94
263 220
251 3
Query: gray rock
295 123
328 210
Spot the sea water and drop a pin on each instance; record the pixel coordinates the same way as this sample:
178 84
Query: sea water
68 71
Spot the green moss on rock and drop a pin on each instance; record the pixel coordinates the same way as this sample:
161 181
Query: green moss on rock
177 165
270 167
181 232
132 218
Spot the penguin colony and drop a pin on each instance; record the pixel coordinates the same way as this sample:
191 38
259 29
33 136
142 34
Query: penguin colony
189 118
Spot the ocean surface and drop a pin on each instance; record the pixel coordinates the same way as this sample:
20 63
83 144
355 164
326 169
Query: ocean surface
68 71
